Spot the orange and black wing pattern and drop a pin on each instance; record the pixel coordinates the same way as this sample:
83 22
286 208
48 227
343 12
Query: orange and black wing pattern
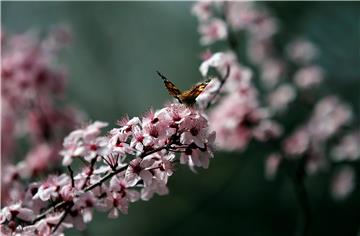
173 90
188 97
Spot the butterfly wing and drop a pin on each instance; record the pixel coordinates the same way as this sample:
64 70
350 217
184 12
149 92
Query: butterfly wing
189 96
171 88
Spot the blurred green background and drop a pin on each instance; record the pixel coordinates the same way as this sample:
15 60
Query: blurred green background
112 61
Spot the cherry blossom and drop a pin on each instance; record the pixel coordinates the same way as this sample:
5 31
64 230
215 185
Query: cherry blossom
260 96
202 10
110 168
212 31
281 97
301 51
348 148
272 165
308 77
134 173
33 107
343 183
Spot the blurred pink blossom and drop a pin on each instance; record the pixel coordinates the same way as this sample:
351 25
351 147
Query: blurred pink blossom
309 76
33 108
202 10
297 143
272 163
329 115
280 98
348 148
212 31
343 182
302 51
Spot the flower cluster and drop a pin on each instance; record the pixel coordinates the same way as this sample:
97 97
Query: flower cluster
130 162
256 97
33 107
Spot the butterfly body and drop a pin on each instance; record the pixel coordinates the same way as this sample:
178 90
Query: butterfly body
187 97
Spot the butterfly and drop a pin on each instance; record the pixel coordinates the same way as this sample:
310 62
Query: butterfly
187 97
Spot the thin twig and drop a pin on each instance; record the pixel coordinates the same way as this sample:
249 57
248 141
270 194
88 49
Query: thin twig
92 164
106 177
144 154
42 215
90 187
107 162
222 82
63 217
302 197
72 176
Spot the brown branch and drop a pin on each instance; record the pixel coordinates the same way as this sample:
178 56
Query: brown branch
144 154
63 217
72 176
222 82
93 161
302 197
90 187
104 178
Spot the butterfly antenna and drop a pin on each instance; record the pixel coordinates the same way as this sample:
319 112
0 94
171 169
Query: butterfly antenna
161 76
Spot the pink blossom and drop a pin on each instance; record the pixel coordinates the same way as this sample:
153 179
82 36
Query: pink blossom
72 147
138 169
231 120
85 142
156 186
298 143
51 187
246 16
239 79
309 76
121 186
260 50
348 148
82 210
32 96
8 126
202 10
343 183
37 160
263 25
271 72
195 157
329 115
212 31
117 202
117 142
16 210
163 166
267 130
45 226
11 187
172 129
281 97
194 132
127 124
209 95
216 60
240 14
272 164
301 51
